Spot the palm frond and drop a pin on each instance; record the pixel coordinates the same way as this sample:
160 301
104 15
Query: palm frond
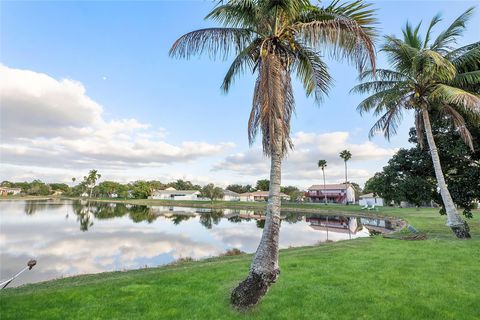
216 42
375 86
272 107
359 10
411 36
446 38
288 9
383 100
242 61
312 72
467 101
399 54
382 74
388 123
342 38
467 79
431 65
345 30
459 124
239 13
436 19
466 58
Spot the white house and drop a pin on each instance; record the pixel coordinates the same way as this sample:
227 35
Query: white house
230 196
173 194
342 193
259 196
370 199
6 191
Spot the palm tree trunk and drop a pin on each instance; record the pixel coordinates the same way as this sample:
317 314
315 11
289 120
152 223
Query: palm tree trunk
264 269
324 186
454 221
346 177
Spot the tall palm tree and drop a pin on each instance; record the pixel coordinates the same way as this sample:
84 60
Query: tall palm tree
275 39
346 155
322 164
427 77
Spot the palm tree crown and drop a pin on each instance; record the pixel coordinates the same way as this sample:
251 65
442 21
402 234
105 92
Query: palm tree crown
345 155
322 164
426 75
275 38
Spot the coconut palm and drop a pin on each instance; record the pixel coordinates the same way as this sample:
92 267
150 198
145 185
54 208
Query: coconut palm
346 155
427 76
275 39
322 164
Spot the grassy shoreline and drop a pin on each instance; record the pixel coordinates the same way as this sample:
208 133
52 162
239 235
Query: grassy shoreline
370 278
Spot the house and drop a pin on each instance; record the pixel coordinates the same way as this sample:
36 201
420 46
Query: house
370 199
230 196
6 191
259 196
342 193
174 194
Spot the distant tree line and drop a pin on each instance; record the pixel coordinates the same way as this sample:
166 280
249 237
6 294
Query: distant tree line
141 189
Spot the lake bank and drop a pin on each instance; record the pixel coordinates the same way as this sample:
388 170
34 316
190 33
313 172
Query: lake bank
364 278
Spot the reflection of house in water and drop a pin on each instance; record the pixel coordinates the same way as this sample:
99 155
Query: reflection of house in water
350 225
173 211
377 224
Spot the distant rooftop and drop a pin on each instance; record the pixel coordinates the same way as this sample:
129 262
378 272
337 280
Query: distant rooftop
230 193
173 190
338 186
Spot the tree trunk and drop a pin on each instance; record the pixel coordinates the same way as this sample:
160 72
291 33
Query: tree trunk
454 221
324 187
264 269
346 175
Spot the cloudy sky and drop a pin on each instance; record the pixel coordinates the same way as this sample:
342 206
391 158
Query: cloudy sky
90 85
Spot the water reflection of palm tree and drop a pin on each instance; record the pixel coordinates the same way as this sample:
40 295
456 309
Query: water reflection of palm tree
30 207
260 223
84 215
207 219
178 218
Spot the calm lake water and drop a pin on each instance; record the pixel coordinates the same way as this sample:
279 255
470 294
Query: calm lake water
73 237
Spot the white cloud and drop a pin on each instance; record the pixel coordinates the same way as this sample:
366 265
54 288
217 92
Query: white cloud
301 163
50 123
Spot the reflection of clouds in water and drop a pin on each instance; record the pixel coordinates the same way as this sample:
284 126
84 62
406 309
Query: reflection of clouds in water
63 254
115 242
246 236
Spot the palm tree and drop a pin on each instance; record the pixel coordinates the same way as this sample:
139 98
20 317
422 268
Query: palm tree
427 77
275 39
322 164
91 179
346 155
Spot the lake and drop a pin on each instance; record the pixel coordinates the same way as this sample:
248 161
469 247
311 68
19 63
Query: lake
76 237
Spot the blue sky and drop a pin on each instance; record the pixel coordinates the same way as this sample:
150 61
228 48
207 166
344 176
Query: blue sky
118 52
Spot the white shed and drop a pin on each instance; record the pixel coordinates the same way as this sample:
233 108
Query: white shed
370 199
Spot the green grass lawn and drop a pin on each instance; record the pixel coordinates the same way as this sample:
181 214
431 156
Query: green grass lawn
369 278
